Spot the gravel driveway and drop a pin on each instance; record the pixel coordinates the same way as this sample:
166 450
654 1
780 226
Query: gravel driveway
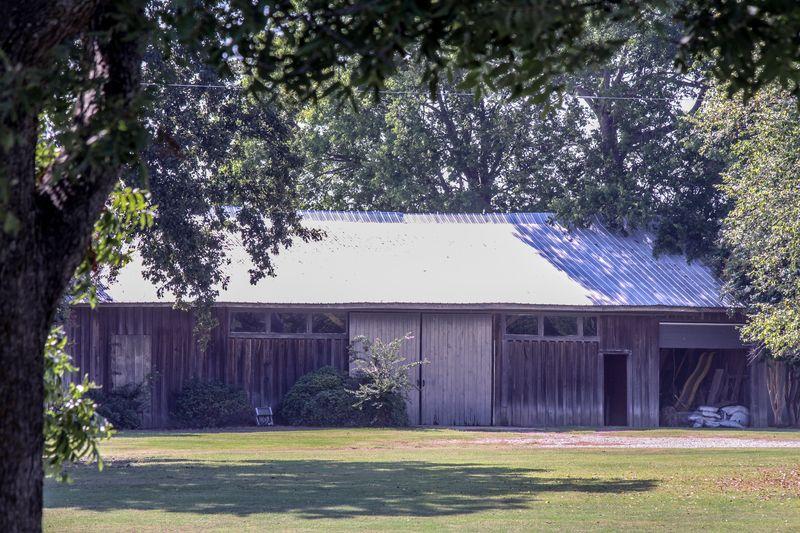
566 440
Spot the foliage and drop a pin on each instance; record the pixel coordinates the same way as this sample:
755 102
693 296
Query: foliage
637 166
752 44
382 372
626 160
327 397
72 427
761 143
203 404
128 212
213 148
320 398
411 152
123 405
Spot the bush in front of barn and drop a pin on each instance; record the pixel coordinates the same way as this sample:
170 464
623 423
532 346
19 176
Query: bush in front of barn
327 397
208 404
382 372
320 398
123 406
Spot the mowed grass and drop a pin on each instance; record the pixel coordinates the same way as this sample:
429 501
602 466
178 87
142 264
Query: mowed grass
425 479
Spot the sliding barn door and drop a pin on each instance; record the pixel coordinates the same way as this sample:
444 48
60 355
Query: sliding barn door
130 361
457 381
387 327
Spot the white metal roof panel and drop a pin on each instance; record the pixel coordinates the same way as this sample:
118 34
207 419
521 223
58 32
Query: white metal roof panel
465 258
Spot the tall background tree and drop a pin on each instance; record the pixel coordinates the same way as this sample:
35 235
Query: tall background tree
215 146
759 142
409 151
615 146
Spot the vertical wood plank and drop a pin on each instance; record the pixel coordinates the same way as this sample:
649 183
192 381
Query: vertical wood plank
459 348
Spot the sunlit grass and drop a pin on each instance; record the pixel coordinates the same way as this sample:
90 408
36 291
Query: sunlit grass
420 479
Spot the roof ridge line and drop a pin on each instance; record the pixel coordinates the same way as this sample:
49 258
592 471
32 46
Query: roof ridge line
463 217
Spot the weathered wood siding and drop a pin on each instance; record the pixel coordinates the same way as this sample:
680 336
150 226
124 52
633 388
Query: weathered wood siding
174 356
475 374
553 382
387 327
457 381
129 360
130 357
101 342
637 336
267 368
548 383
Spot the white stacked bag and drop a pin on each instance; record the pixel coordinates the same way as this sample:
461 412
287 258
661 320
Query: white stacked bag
731 416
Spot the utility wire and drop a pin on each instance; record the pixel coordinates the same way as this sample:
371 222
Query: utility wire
191 86
599 97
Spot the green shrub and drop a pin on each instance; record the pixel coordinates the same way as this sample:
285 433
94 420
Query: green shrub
320 398
123 405
202 404
327 397
389 409
332 407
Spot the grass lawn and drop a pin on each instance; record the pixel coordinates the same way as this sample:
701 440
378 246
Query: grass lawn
427 479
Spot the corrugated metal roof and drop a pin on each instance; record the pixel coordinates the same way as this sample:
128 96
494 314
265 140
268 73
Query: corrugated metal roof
458 258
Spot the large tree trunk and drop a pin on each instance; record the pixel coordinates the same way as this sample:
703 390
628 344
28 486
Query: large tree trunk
783 386
24 322
55 215
24 318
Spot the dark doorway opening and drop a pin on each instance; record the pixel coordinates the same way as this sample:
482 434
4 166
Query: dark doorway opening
615 389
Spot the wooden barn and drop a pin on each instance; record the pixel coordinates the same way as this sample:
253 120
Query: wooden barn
523 323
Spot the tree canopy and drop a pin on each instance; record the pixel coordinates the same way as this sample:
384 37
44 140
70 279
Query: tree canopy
760 143
614 145
220 165
411 152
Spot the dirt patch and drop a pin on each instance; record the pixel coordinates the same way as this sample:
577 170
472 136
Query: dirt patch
767 482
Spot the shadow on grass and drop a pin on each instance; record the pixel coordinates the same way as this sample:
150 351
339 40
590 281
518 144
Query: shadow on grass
318 489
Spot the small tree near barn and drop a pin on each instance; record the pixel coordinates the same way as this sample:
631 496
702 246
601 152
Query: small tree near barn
383 374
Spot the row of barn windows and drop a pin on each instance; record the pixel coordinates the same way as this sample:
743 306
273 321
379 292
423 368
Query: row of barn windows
335 323
288 323
551 325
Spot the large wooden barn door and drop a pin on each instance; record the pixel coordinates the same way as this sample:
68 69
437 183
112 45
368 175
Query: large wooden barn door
387 327
457 381
130 361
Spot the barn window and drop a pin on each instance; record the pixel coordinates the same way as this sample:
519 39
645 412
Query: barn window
328 323
522 324
248 322
289 323
267 323
560 326
590 326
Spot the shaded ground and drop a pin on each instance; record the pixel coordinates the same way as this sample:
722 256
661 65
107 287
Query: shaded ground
315 489
423 479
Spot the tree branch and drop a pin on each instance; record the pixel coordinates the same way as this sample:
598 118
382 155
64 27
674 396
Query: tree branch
72 192
30 29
